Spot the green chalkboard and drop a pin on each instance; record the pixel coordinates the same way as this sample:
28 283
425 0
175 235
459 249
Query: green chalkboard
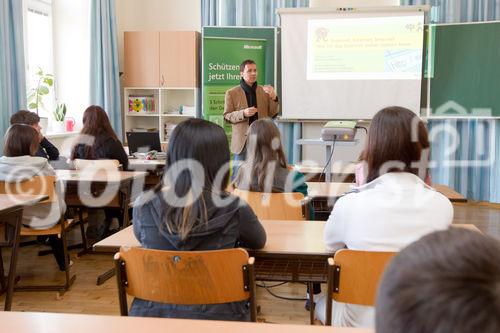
464 70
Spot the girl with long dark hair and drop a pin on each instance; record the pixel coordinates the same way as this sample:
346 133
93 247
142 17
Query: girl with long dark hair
191 211
394 208
266 169
98 140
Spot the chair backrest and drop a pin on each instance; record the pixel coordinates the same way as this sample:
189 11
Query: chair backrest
274 206
39 185
353 277
81 164
185 277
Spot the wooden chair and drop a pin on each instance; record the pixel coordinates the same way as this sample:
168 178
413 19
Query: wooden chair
42 185
275 206
353 277
111 165
185 277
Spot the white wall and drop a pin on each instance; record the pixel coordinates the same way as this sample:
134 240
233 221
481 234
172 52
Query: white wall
71 28
156 15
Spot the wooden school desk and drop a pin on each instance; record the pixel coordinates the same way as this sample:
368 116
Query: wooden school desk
294 251
11 213
335 190
323 196
106 189
450 193
341 173
29 322
154 169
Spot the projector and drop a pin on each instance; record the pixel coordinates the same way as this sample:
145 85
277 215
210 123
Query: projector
339 130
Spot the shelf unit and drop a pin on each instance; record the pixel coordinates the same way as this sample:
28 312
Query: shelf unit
167 109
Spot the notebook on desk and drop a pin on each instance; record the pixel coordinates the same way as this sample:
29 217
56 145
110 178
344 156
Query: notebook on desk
143 142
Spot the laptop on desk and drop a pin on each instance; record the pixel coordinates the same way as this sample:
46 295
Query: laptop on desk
143 142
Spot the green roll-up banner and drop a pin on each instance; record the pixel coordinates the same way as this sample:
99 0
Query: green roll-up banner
221 71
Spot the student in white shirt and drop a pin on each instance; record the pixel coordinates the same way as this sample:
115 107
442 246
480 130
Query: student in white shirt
20 163
393 209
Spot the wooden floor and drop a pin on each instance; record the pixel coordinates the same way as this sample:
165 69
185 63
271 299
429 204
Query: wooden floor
86 297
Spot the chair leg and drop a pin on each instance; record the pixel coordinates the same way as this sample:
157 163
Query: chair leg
2 274
85 243
13 261
121 278
251 282
69 280
328 300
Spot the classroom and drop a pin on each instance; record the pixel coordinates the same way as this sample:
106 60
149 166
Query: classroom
243 165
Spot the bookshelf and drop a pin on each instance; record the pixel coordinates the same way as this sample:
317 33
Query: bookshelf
162 108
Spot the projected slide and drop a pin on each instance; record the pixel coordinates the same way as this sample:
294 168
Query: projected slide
380 48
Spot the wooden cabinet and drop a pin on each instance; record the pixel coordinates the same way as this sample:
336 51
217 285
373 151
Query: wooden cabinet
179 58
164 59
142 58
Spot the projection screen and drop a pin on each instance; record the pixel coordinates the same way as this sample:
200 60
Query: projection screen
348 65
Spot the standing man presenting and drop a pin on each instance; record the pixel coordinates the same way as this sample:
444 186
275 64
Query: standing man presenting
244 104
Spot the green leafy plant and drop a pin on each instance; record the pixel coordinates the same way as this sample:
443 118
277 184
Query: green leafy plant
42 89
60 112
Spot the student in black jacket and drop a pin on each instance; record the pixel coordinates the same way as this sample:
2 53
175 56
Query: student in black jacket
191 211
97 140
45 149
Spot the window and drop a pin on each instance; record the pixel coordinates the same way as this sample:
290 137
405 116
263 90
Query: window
39 47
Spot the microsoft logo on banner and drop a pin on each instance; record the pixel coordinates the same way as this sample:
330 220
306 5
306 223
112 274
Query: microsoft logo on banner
252 47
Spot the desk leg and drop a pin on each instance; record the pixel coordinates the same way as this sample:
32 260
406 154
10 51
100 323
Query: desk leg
125 203
311 302
328 161
3 284
105 276
13 260
82 229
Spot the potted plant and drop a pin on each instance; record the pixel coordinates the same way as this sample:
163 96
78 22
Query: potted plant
59 115
37 94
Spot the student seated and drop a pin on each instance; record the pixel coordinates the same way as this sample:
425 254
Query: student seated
448 281
45 149
394 208
97 140
265 169
173 217
20 163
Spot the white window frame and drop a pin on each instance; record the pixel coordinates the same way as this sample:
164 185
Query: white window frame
43 7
